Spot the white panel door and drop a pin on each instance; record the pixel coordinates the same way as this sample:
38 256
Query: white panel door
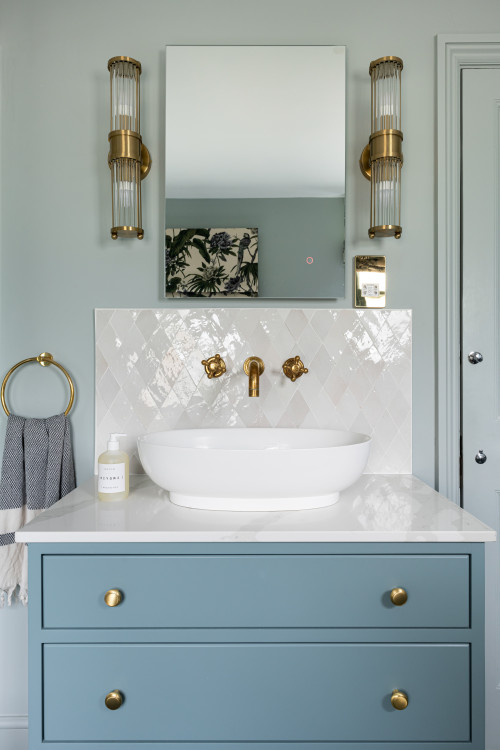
480 334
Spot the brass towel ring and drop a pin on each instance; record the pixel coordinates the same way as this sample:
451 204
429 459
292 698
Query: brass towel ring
45 359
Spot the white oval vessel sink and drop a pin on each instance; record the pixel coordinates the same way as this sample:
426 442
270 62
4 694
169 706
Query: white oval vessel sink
254 469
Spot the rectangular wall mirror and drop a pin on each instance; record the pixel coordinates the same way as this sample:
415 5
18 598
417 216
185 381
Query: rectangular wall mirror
255 171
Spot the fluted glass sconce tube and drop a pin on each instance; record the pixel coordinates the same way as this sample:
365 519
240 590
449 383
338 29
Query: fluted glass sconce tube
382 158
128 157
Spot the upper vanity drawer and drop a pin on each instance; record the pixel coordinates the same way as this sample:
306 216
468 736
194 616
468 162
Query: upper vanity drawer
255 591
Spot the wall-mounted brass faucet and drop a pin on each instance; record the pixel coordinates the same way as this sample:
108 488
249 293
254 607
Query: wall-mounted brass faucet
253 367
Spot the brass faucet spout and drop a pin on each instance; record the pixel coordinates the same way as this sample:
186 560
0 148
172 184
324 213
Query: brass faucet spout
253 382
253 367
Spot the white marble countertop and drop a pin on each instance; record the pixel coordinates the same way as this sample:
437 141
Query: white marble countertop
378 508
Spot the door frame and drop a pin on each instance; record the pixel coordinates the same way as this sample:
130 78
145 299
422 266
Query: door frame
454 53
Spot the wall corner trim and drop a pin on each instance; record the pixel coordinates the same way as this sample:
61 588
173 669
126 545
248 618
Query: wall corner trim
454 53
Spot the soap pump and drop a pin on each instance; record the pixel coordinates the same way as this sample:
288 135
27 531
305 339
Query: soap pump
113 470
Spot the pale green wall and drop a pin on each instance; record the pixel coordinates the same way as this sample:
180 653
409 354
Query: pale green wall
57 261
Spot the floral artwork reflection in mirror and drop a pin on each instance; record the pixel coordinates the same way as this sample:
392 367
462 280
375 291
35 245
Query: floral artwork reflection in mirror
211 262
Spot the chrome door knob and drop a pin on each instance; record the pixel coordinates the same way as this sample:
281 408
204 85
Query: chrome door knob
480 457
475 358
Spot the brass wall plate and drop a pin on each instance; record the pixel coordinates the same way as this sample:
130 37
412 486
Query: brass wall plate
369 281
365 163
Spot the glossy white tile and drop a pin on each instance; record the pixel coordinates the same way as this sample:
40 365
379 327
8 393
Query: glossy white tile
149 374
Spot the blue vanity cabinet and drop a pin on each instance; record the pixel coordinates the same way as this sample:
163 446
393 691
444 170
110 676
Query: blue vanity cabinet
256 646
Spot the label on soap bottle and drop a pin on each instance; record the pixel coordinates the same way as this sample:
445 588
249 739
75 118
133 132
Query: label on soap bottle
111 478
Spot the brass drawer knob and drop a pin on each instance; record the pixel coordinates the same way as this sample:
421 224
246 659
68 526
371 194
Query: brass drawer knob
113 700
399 597
399 700
113 597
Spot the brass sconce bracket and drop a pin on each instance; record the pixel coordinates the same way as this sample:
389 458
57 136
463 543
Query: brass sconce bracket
384 144
365 162
125 144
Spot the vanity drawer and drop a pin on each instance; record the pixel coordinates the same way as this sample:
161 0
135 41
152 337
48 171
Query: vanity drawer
255 591
256 692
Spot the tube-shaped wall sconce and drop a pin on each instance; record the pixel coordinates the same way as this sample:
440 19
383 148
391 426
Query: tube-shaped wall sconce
382 158
128 158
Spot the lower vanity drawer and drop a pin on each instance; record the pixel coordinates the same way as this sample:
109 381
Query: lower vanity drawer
261 591
256 692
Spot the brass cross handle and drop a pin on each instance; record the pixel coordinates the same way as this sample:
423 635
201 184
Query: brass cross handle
214 366
294 368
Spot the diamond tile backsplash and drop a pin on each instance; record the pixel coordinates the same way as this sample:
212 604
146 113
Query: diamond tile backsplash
149 375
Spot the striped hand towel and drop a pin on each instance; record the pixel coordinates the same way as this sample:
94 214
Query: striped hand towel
38 469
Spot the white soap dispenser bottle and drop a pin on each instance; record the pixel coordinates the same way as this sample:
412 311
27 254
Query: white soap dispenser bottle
112 471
